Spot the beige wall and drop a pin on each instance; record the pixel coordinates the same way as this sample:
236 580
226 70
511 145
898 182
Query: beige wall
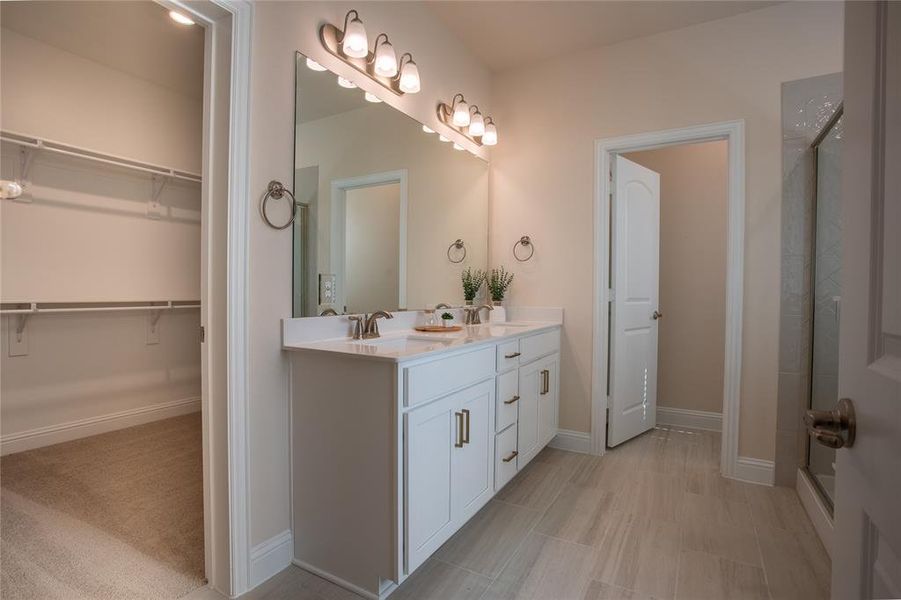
692 333
280 29
543 175
77 101
372 221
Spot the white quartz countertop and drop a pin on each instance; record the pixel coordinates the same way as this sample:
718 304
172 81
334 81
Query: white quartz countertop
410 344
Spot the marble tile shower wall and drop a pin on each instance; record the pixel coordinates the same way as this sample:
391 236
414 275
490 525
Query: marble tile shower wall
807 105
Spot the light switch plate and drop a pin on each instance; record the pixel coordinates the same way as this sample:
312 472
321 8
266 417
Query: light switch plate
326 288
18 342
153 330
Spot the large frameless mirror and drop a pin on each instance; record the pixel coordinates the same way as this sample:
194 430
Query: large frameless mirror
381 204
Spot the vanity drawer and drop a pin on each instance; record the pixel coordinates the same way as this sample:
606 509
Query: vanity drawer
508 355
536 346
504 457
507 399
436 378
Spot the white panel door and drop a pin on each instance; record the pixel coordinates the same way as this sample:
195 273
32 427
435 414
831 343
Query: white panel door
431 434
866 560
633 323
472 465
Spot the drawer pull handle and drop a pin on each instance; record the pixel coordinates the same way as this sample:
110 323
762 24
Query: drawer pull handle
513 355
545 381
466 429
511 400
513 455
459 443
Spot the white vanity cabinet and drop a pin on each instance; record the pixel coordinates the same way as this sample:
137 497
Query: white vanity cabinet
392 455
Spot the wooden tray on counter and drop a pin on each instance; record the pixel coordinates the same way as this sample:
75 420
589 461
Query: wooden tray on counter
438 328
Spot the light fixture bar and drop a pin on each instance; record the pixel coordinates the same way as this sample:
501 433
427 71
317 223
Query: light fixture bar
446 115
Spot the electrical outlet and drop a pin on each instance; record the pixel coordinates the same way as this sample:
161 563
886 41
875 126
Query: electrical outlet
153 329
326 288
18 335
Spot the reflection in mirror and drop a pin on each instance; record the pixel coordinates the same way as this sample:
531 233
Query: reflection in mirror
380 202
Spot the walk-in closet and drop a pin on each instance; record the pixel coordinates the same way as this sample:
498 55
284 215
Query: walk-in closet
100 280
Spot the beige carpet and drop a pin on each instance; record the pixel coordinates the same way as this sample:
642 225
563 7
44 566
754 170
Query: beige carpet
114 516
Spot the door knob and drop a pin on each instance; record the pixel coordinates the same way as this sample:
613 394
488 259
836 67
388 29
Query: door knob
657 315
833 428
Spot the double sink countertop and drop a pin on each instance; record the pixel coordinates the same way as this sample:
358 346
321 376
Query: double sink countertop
409 344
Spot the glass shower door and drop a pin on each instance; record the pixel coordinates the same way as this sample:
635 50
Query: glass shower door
826 294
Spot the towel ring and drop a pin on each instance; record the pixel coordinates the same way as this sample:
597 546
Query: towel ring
525 241
277 190
458 244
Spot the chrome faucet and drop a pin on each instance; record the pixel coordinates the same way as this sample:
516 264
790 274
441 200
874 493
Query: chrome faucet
328 312
441 305
472 314
371 328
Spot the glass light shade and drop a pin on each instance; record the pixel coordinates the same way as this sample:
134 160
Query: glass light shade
355 43
461 114
315 66
441 138
457 146
385 60
371 97
346 83
477 125
409 78
490 136
428 129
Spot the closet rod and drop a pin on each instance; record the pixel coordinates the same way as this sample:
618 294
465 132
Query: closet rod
85 153
54 307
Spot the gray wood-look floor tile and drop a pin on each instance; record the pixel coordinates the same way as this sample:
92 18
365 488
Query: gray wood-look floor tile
796 564
540 481
544 568
296 584
437 579
714 509
778 508
577 515
637 552
653 495
707 481
703 576
487 542
602 591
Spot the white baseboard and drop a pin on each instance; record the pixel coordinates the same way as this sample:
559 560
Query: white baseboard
73 430
342 582
573 441
816 510
270 557
693 419
755 470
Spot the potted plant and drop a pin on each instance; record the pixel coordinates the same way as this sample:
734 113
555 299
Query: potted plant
498 283
447 318
472 282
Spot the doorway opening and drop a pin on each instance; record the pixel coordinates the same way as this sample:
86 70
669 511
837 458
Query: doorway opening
628 276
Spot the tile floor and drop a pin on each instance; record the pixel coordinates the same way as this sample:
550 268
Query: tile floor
650 519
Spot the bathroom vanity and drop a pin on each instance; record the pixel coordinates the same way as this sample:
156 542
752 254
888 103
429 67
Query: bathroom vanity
398 441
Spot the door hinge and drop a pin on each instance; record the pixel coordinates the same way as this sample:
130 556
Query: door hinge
202 334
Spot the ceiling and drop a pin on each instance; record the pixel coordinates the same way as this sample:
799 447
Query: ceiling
505 34
159 50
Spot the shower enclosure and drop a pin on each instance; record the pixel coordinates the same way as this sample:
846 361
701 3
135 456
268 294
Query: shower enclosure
826 293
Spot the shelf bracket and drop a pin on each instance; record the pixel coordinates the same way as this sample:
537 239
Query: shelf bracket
155 317
23 321
154 210
26 160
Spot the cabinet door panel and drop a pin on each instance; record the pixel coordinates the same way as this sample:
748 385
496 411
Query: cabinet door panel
547 399
527 426
472 465
431 432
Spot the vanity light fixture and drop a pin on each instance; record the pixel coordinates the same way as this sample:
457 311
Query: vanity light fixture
381 65
441 138
315 66
468 120
457 146
370 97
428 129
346 83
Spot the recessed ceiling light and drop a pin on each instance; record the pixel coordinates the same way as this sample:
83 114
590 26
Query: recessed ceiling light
180 18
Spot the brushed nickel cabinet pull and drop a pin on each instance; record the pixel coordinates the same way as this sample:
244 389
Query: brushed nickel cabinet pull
545 381
466 428
513 355
511 400
459 442
513 455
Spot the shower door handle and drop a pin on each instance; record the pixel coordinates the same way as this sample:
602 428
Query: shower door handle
833 428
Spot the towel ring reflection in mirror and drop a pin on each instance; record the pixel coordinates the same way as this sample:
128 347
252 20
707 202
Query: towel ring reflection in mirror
526 242
458 244
278 191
